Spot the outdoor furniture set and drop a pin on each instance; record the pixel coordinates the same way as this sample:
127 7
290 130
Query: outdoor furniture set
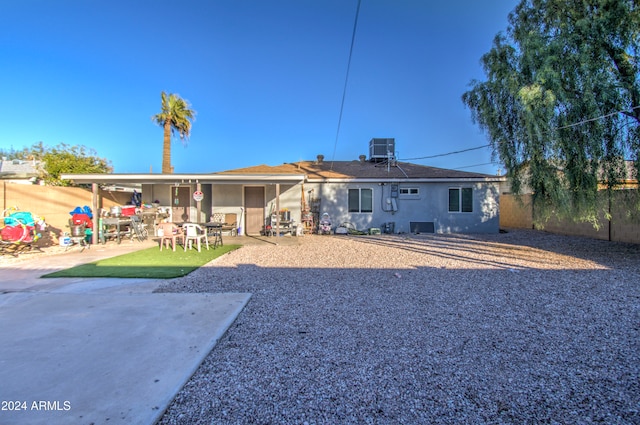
189 234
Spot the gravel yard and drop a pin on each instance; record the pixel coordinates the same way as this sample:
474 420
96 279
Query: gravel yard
518 328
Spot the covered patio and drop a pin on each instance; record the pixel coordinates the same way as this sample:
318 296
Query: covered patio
196 197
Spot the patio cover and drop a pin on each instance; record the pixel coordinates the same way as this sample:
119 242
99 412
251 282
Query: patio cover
212 178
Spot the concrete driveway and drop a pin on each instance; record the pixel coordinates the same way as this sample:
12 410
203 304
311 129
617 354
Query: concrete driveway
98 351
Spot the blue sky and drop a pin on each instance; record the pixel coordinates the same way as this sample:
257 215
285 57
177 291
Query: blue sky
266 78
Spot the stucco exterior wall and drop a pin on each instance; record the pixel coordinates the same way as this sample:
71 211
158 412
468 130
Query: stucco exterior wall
162 193
290 196
229 199
431 204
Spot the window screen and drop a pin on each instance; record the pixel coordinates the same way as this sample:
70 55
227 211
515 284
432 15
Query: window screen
461 199
366 200
454 200
361 200
467 199
354 200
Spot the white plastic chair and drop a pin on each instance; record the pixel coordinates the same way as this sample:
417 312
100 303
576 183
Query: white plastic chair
194 232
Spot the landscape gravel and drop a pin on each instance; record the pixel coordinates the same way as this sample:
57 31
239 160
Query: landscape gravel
523 327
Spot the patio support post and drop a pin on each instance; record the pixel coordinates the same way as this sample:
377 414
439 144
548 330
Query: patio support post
199 204
96 213
277 209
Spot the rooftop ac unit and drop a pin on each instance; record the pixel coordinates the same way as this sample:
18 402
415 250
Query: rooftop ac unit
381 149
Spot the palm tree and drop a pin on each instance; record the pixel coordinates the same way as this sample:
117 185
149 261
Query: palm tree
175 117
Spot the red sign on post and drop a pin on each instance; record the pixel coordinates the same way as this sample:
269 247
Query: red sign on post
198 196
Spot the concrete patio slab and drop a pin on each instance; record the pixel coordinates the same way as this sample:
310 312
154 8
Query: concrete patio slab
79 355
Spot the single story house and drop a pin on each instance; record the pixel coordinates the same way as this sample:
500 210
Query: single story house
375 192
398 197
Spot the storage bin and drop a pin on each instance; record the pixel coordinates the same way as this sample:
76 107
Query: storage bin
129 210
65 240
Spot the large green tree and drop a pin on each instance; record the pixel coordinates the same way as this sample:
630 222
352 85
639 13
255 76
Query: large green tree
561 102
176 116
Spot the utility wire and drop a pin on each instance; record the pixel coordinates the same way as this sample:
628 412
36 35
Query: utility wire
346 79
487 145
598 118
476 165
445 154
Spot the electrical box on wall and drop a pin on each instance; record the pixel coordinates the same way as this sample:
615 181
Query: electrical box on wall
394 190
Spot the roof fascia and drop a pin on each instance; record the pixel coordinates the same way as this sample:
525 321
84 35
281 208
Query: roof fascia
417 180
184 178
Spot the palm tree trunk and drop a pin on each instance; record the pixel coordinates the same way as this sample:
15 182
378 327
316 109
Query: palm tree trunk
166 148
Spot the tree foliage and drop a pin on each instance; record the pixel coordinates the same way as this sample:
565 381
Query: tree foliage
27 153
72 159
60 159
561 103
175 117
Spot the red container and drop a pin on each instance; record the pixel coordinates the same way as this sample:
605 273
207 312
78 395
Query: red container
128 210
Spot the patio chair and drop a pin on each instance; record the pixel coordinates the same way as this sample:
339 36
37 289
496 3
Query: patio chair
169 232
230 224
194 232
139 228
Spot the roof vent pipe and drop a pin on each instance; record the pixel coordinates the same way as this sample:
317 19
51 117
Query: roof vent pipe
362 158
320 159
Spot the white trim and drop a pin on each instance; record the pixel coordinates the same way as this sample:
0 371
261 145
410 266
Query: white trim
409 189
185 178
257 179
453 180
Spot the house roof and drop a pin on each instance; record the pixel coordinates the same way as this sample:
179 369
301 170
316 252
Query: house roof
292 173
18 169
364 170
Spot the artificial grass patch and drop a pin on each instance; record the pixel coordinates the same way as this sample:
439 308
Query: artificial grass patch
148 263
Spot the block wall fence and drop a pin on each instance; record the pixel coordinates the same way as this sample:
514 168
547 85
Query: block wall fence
55 203
620 228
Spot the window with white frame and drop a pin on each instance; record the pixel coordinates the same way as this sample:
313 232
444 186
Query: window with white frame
361 200
409 191
460 199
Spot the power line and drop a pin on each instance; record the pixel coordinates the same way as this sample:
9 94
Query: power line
346 79
559 128
445 154
598 118
487 145
476 165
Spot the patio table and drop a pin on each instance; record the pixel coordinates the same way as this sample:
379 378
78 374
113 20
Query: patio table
120 224
215 229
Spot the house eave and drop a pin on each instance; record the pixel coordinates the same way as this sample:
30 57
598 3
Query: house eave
184 178
411 180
